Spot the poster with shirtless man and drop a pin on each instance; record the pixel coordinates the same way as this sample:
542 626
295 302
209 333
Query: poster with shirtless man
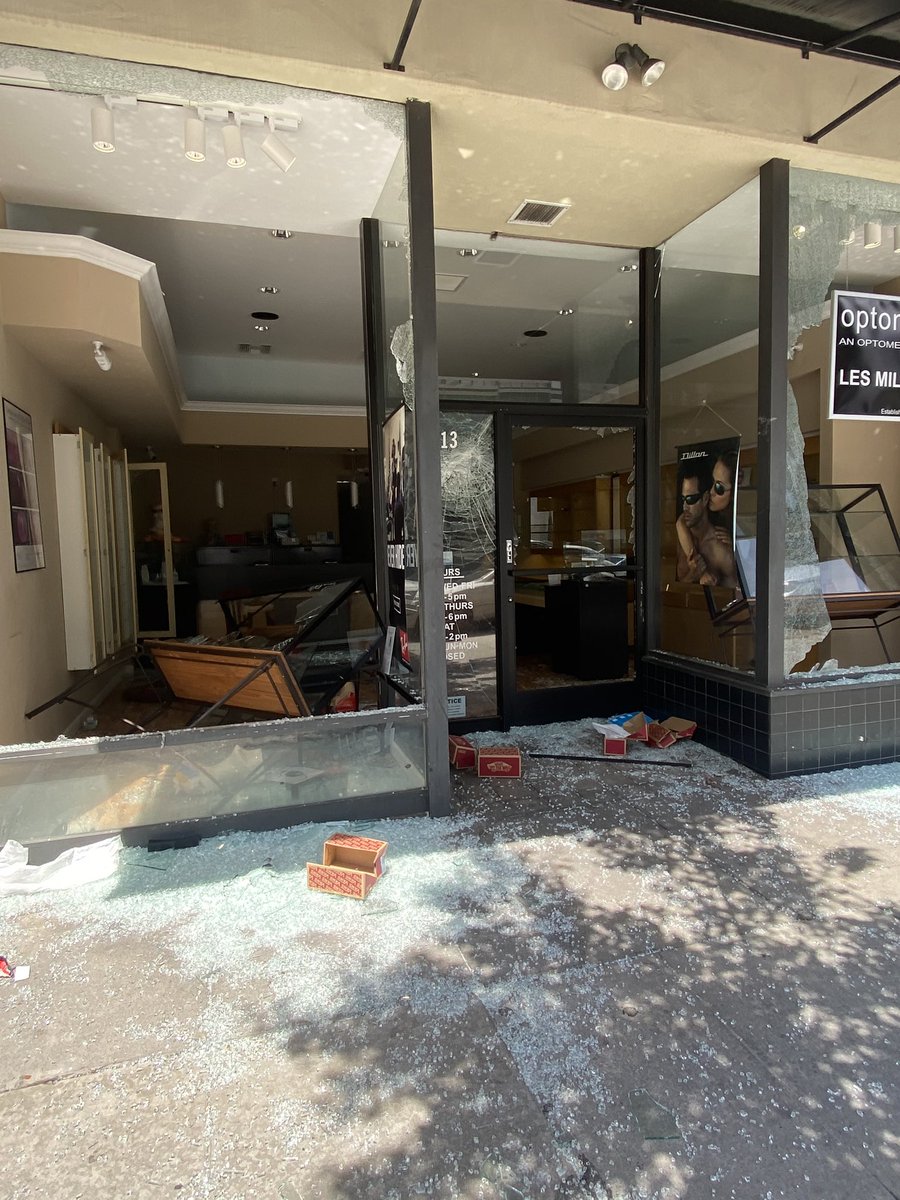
705 517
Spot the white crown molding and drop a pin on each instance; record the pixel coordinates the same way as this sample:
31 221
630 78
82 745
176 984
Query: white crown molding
96 254
276 410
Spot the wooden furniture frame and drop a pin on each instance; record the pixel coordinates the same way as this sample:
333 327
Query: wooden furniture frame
229 677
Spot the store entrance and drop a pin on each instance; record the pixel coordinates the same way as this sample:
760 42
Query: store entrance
568 576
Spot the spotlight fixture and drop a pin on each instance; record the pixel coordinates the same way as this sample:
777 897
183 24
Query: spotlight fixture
103 129
262 328
628 267
566 312
194 137
269 289
650 68
872 235
467 252
849 239
281 233
799 232
631 57
272 146
234 145
615 76
101 356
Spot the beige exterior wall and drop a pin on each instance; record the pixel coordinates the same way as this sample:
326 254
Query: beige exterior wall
31 608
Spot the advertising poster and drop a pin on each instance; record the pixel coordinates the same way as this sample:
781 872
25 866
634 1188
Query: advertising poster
706 495
865 357
469 544
395 524
24 509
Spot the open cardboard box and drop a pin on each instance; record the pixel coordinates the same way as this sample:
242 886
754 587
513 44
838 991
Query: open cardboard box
350 866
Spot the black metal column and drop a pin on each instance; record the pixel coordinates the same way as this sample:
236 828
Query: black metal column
648 548
774 217
375 340
428 456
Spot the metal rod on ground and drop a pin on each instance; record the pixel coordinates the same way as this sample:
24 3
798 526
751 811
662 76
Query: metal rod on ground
608 758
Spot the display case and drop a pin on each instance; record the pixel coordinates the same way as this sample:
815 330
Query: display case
293 654
858 568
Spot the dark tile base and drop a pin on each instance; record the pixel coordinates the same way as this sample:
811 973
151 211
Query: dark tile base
793 731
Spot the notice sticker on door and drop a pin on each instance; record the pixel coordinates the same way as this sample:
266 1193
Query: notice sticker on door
456 706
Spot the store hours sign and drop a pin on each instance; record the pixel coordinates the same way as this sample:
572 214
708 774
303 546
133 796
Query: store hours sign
865 357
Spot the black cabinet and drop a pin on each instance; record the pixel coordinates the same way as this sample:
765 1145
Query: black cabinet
588 621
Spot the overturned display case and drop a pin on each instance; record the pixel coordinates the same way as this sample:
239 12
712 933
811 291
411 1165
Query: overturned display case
293 654
858 569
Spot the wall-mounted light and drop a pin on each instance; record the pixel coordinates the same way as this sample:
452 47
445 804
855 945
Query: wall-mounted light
289 494
872 235
101 356
220 494
631 57
897 239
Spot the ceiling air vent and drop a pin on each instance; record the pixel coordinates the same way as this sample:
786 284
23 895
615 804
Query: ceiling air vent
538 212
246 348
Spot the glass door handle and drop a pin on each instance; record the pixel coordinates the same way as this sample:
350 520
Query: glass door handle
509 552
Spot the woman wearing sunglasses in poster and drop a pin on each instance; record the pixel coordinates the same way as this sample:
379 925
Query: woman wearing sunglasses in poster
705 521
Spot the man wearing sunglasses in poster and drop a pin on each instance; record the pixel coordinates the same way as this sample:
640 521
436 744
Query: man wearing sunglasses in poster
705 521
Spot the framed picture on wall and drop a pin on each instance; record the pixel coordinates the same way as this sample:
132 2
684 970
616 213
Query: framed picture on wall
24 507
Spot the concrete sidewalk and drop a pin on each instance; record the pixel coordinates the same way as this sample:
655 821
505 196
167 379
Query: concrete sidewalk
598 981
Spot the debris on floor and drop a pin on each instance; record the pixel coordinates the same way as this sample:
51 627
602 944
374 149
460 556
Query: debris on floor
78 865
504 762
351 866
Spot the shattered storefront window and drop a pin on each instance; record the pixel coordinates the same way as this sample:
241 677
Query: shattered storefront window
844 233
470 536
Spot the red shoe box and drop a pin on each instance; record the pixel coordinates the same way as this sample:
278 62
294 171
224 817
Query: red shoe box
462 753
636 727
615 739
660 736
680 726
499 762
351 866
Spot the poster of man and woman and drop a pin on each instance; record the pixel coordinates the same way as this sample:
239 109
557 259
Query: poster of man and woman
706 512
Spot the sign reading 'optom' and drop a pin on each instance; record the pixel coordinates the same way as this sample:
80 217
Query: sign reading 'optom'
865 357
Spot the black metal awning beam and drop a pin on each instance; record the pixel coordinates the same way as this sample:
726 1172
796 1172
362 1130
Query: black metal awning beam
396 62
813 138
840 47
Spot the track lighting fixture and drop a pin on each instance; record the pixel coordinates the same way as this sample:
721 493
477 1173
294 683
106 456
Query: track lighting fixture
872 235
103 128
234 144
631 57
101 356
272 145
194 137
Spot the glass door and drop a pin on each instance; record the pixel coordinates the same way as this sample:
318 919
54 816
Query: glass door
569 577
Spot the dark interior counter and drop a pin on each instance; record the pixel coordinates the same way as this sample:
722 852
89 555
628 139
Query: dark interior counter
258 570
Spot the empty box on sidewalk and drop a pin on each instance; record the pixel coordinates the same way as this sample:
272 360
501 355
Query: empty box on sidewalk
659 736
350 866
680 726
615 738
462 753
501 762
